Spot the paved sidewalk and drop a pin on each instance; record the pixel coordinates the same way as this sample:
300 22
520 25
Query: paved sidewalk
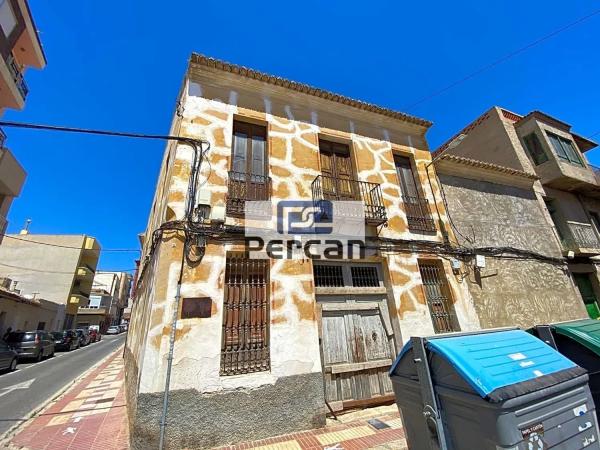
355 435
90 415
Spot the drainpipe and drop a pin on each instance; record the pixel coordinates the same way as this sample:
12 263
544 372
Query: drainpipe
163 419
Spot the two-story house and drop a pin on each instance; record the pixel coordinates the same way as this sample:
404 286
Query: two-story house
265 346
566 188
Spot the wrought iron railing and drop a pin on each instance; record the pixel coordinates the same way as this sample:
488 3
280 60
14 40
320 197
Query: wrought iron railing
242 187
581 235
2 138
17 75
325 187
418 214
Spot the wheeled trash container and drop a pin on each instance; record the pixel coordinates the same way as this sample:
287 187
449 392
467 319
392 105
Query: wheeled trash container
578 340
492 390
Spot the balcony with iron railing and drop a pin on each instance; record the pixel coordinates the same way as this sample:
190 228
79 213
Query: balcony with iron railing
418 214
325 187
2 138
242 187
581 238
17 75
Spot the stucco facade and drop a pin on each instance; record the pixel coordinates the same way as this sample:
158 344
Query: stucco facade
567 193
494 209
289 396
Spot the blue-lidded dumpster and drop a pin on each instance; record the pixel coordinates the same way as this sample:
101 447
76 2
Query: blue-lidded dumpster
493 389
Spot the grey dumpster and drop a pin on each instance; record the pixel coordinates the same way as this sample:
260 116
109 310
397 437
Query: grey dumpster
495 389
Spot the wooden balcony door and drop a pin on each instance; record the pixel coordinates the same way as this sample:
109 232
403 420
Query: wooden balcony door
336 167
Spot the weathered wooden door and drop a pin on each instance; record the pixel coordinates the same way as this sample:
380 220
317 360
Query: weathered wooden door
358 350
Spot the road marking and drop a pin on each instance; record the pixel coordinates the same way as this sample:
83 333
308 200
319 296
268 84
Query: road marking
14 387
69 430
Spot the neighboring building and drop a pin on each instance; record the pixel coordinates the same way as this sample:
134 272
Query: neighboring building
20 48
59 268
21 312
568 191
495 206
251 366
108 300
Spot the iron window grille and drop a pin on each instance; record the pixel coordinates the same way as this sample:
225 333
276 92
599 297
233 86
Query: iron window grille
245 342
364 276
437 294
328 275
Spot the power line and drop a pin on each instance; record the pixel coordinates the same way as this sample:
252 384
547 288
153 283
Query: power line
125 250
37 126
501 60
32 269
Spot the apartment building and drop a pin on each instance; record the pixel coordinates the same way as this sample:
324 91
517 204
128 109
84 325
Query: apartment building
566 189
108 299
58 268
20 48
493 206
266 346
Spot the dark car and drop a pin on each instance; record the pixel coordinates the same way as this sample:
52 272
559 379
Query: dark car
65 340
8 357
31 344
95 335
84 337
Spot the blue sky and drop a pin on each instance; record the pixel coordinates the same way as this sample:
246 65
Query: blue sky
119 64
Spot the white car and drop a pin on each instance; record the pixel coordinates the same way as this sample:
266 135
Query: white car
113 330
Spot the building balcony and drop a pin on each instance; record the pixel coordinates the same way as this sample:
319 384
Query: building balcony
418 214
581 239
325 187
243 187
85 271
17 76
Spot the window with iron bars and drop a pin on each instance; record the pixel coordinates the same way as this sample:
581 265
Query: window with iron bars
437 294
346 275
245 343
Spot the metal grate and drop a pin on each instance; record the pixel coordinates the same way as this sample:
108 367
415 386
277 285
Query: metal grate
328 276
243 187
437 295
417 214
245 345
364 276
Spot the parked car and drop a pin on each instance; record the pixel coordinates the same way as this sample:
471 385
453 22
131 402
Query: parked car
8 357
84 336
123 327
66 340
95 335
113 330
31 344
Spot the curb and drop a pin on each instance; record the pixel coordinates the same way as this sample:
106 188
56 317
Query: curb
8 435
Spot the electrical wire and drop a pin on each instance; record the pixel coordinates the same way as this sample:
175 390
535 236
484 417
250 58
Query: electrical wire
501 60
105 250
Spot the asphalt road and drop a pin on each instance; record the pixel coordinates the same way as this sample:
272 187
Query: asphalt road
32 384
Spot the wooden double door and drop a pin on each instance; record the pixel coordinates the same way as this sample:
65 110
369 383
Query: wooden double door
357 346
336 168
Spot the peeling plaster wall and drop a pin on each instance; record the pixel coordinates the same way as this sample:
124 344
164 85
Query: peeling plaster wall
509 292
294 344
